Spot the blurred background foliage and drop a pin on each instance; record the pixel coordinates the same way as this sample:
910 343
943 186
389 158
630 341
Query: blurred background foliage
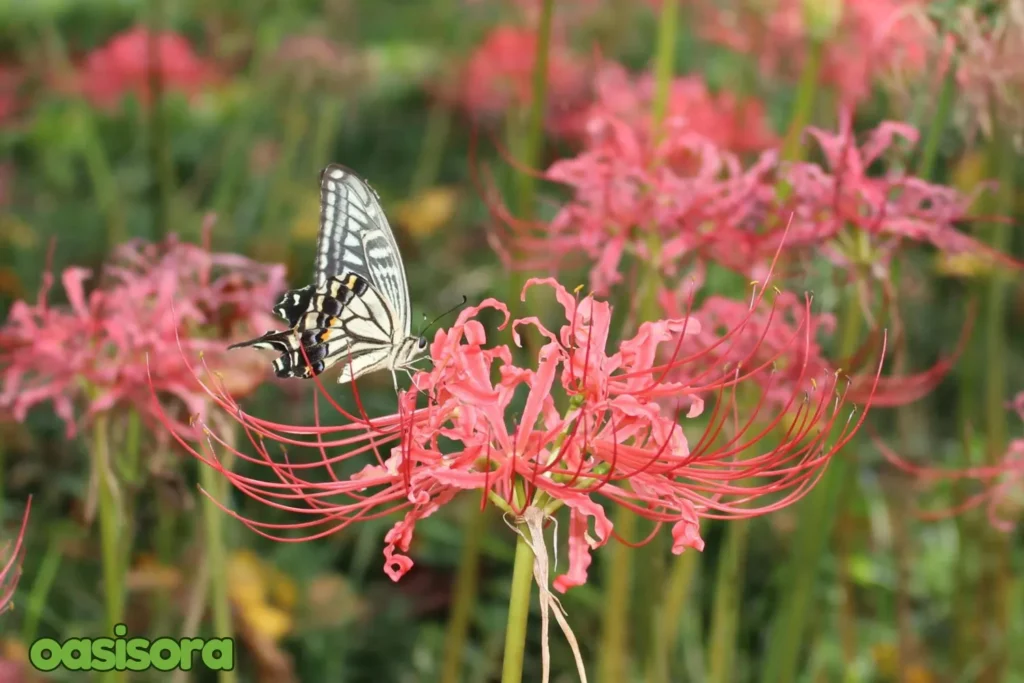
255 99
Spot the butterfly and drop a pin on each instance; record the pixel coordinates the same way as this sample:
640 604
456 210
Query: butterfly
357 310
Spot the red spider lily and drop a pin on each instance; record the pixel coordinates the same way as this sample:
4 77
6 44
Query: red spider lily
890 209
99 349
11 79
989 76
681 194
861 40
10 562
499 74
763 336
730 122
1003 495
593 422
132 61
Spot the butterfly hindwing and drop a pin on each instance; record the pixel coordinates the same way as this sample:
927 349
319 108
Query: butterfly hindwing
357 310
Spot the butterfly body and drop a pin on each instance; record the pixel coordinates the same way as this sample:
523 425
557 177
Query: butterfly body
357 312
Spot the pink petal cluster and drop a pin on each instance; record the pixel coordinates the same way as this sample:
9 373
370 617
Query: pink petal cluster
1003 483
499 74
869 38
684 200
730 122
10 562
130 62
107 345
594 421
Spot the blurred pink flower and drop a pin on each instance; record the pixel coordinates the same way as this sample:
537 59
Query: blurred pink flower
10 562
594 422
678 195
869 38
499 74
107 346
891 208
11 79
732 123
131 60
1003 483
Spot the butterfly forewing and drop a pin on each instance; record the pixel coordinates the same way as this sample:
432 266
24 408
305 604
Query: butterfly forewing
357 312
355 237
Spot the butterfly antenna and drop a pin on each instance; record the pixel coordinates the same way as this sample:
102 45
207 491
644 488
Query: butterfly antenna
451 310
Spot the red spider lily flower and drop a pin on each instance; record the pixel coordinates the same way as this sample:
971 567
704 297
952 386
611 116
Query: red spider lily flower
681 193
594 421
499 74
730 122
990 76
891 209
107 346
862 40
763 337
129 62
1003 493
11 79
10 562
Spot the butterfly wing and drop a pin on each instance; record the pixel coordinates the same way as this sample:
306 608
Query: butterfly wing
345 321
355 237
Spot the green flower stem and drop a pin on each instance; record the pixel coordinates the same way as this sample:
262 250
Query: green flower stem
998 577
664 61
684 568
111 530
614 657
216 553
534 136
816 517
725 610
939 124
42 584
466 581
803 107
101 175
518 610
428 165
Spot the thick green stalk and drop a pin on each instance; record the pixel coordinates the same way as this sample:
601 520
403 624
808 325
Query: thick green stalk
939 124
614 658
518 610
159 141
104 183
998 575
42 584
466 581
725 612
803 107
664 61
534 136
439 123
111 530
664 637
816 516
216 555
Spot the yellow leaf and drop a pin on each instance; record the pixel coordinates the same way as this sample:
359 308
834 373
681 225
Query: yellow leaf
969 171
270 622
246 581
14 650
16 232
282 590
149 574
918 673
964 265
423 214
306 222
